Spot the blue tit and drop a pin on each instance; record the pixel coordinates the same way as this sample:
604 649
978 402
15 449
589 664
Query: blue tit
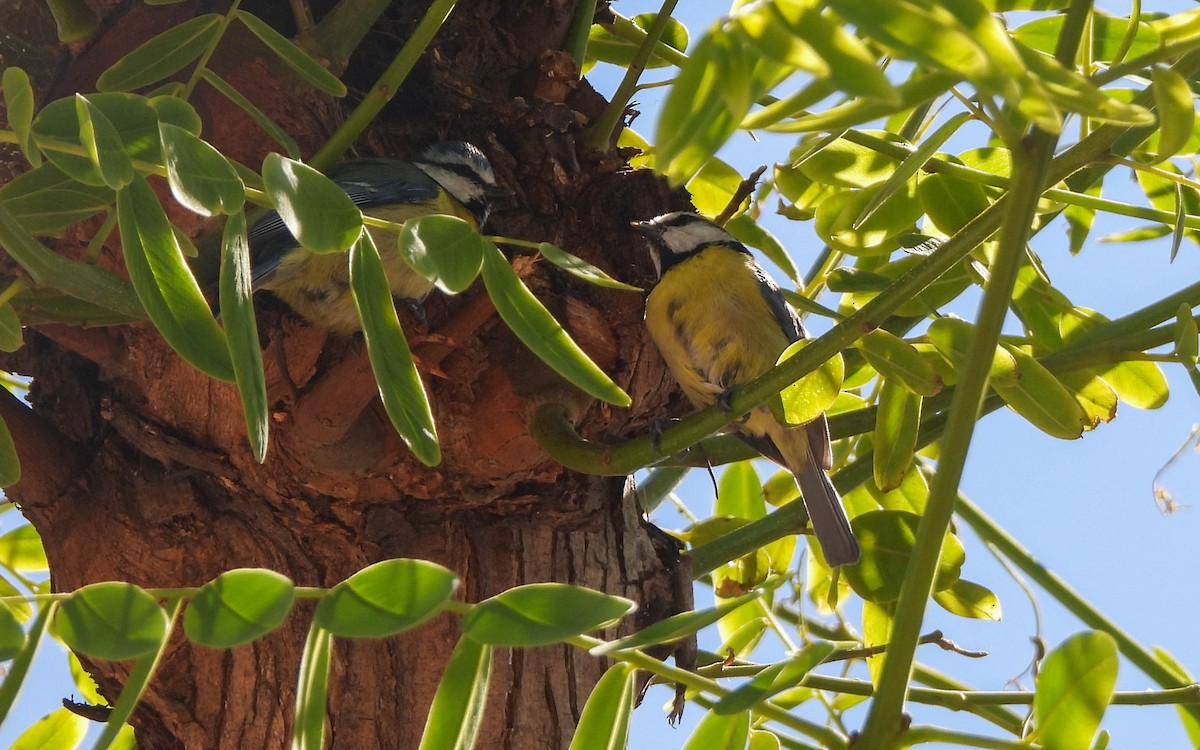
452 178
719 321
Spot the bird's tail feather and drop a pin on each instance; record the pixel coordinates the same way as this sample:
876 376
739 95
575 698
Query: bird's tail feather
826 514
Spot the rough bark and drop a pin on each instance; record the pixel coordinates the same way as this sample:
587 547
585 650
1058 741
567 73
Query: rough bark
137 468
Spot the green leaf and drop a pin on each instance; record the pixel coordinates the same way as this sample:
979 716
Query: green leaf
456 714
968 599
1074 93
1142 385
1108 33
1187 345
241 331
1174 102
752 234
580 268
1074 687
16 672
165 284
775 678
312 691
604 724
837 220
103 144
315 210
848 63
950 202
11 334
163 55
386 598
897 422
1041 399
133 118
114 621
921 87
603 46
739 494
807 398
1098 399
952 338
683 624
715 88
60 729
10 463
21 550
292 56
762 739
19 102
45 200
538 330
444 249
898 361
843 163
12 636
539 614
399 382
720 732
201 179
237 607
887 538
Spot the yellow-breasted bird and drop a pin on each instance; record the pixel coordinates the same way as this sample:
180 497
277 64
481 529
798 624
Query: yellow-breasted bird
719 321
450 177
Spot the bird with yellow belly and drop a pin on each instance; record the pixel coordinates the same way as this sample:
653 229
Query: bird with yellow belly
720 321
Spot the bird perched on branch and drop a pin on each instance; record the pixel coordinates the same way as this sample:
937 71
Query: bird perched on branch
451 177
720 321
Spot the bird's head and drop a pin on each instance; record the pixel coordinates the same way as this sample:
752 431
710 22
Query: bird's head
679 235
465 173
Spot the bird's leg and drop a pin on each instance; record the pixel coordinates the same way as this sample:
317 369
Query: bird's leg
656 431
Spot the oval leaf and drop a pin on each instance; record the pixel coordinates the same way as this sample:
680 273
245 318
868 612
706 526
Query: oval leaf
897 422
1074 687
103 144
400 386
10 463
163 55
887 538
21 550
539 614
538 330
315 210
456 714
165 285
580 268
237 607
1041 399
12 636
312 691
898 361
604 724
45 200
18 106
720 732
111 620
1176 110
968 599
60 729
444 249
807 398
241 331
386 598
201 179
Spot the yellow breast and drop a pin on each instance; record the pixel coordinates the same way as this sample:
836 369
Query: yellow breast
710 321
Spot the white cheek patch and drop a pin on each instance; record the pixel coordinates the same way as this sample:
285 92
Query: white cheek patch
686 238
464 189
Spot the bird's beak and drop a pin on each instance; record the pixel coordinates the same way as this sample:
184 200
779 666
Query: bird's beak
648 228
496 192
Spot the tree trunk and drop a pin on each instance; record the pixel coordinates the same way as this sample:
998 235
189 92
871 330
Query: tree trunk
136 466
